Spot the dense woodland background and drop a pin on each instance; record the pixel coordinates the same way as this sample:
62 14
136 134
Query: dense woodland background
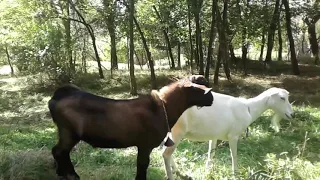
64 38
121 48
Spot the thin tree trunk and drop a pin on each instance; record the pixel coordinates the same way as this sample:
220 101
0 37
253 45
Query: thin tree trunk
294 61
196 52
144 42
263 41
313 38
91 33
232 55
279 39
150 62
303 41
179 52
217 67
66 23
133 84
68 38
200 50
197 8
9 60
114 58
84 54
190 37
223 44
110 7
224 40
271 31
212 37
135 53
167 39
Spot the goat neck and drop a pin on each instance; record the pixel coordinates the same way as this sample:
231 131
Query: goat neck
175 104
257 106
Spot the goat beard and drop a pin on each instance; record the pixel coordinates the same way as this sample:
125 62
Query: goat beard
275 122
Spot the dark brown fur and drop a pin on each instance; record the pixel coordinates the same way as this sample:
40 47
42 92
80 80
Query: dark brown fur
199 79
109 123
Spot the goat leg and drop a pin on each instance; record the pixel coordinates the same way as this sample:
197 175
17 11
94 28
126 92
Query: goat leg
143 160
233 143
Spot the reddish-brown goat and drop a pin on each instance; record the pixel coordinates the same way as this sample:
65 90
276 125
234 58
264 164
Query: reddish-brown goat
110 123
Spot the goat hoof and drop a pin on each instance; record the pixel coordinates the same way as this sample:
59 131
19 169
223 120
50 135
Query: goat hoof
69 177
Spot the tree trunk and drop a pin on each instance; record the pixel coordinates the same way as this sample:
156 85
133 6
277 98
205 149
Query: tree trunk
133 84
114 58
279 39
135 53
217 67
223 44
151 64
190 37
232 55
271 31
91 33
263 41
313 38
212 37
224 40
303 41
67 23
84 54
9 61
197 7
179 52
244 40
93 38
165 33
196 53
294 61
110 8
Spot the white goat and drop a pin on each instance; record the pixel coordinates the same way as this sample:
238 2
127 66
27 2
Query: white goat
225 120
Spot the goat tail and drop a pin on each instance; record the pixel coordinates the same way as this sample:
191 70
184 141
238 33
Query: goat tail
60 93
51 106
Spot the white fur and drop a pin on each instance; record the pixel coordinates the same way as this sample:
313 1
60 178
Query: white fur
225 120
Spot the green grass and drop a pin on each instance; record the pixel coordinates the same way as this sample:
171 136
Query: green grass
27 135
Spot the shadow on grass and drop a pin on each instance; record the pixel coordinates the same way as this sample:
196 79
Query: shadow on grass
277 68
302 90
28 165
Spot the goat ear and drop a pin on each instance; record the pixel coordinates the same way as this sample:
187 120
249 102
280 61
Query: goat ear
207 90
169 142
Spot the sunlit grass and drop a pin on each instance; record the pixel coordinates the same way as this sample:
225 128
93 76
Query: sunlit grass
27 135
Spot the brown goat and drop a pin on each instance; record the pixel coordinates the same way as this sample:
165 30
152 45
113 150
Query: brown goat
108 123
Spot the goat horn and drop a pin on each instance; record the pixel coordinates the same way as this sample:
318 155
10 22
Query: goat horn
293 102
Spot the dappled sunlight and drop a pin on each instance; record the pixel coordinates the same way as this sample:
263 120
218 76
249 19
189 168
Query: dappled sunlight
13 84
27 164
26 125
280 165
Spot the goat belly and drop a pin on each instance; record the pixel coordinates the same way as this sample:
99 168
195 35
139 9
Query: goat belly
102 142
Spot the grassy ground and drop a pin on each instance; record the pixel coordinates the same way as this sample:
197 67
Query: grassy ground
27 133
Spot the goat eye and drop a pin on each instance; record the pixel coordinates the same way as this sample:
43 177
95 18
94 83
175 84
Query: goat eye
282 98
